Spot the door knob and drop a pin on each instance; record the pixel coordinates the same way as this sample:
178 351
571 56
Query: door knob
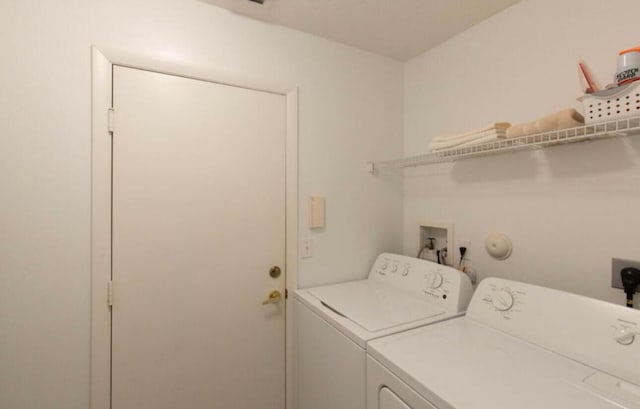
274 298
275 272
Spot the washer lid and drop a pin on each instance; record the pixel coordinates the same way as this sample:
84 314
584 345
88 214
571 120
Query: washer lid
496 370
374 306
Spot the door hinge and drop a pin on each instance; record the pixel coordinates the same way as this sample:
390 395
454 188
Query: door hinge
110 120
110 293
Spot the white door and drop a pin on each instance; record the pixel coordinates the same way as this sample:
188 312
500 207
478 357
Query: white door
198 221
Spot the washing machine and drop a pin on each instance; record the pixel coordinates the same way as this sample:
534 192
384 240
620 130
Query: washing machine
518 346
334 323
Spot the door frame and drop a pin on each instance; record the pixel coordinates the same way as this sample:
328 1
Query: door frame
103 59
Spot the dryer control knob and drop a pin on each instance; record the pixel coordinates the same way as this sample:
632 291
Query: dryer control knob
502 300
432 280
625 336
394 268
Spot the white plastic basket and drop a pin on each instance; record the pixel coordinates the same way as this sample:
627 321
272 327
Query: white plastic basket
612 104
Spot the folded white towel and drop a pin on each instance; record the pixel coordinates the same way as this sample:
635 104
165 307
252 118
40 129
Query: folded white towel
494 131
498 126
477 141
470 139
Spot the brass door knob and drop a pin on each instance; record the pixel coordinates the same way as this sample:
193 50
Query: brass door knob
274 298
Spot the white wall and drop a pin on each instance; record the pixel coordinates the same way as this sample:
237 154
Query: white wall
350 112
569 209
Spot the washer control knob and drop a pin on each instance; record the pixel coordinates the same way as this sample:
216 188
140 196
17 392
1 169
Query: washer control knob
433 279
385 266
502 300
405 271
394 268
624 336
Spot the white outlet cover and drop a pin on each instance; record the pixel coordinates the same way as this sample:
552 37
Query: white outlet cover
306 247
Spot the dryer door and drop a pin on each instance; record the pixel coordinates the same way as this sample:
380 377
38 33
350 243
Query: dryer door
389 400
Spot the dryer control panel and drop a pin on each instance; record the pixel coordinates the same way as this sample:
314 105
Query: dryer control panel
442 284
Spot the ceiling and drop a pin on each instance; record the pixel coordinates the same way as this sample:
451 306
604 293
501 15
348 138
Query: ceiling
400 29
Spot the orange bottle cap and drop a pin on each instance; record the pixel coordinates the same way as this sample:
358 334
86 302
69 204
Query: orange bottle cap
630 50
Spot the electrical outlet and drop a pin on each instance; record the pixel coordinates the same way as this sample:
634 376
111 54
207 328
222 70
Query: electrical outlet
617 264
306 247
463 243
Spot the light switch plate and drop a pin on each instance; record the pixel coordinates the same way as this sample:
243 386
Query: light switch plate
617 264
306 247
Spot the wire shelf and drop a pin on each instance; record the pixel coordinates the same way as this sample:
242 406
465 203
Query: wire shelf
602 130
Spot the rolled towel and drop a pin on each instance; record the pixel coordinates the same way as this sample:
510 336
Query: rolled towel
531 128
516 131
567 118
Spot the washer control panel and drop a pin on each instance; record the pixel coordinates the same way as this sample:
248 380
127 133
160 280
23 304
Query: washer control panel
570 324
423 278
505 300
